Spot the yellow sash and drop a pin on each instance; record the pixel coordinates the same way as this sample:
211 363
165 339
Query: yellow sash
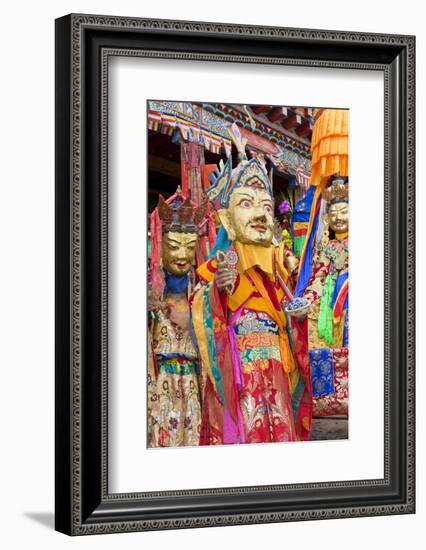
287 358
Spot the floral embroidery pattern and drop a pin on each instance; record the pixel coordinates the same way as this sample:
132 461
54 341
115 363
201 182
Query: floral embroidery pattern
265 399
178 409
322 371
338 402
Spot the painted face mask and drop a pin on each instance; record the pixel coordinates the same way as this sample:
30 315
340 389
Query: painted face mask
338 216
242 196
178 253
174 231
337 195
249 218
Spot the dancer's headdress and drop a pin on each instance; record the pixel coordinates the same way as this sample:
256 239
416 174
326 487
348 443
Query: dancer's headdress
177 214
248 173
338 191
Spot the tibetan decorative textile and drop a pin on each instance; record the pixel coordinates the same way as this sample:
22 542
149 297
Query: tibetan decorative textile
300 379
338 402
255 387
307 255
152 401
221 421
265 398
300 220
192 158
170 331
322 371
329 316
174 397
329 145
178 408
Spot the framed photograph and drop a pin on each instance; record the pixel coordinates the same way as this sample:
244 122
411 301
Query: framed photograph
212 367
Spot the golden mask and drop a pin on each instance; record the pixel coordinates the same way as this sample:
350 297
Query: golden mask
338 217
178 253
249 218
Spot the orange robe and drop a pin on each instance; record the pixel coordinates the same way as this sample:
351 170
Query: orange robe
248 389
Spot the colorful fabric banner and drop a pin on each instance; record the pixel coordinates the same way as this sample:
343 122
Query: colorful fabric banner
167 124
329 145
306 260
300 220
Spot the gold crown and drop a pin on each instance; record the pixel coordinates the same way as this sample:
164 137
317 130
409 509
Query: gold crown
338 191
181 214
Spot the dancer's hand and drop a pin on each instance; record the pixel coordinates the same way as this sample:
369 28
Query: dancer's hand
224 276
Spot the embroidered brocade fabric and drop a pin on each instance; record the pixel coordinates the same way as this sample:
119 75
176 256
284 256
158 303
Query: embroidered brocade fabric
336 403
174 400
152 402
332 255
265 399
171 338
322 371
179 410
252 388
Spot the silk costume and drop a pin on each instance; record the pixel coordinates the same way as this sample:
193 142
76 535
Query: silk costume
324 281
174 409
328 349
255 383
330 159
178 410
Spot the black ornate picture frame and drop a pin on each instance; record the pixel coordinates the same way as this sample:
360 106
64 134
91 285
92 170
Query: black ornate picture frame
84 43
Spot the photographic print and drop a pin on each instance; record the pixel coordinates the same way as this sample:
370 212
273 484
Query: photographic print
248 273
